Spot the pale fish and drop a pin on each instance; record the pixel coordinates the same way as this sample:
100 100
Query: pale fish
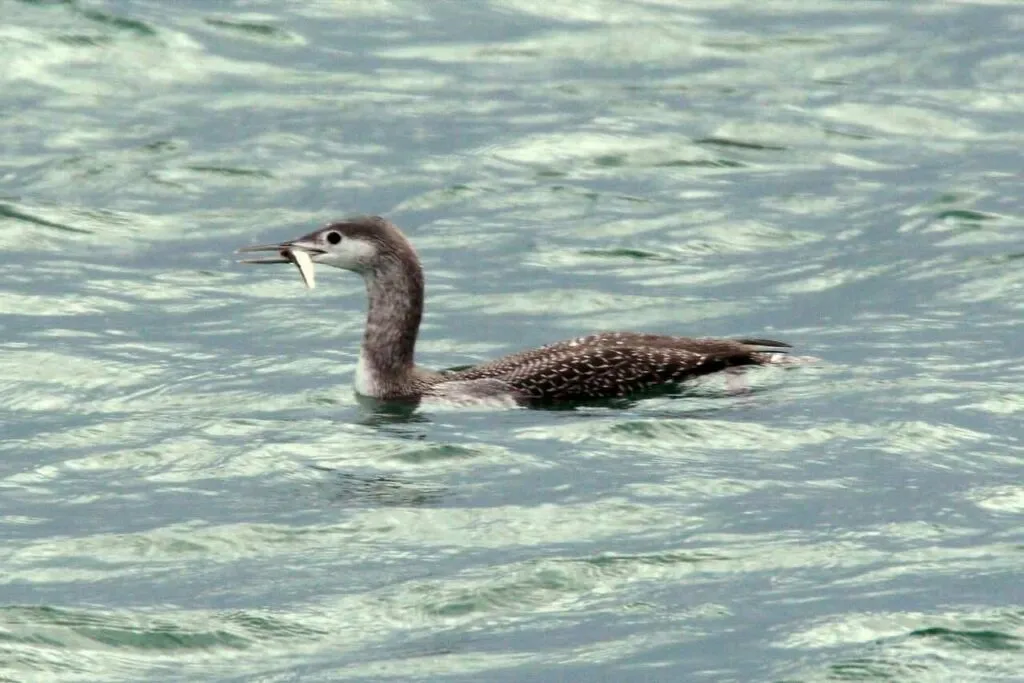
304 263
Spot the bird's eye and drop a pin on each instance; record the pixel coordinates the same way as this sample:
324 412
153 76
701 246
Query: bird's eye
333 237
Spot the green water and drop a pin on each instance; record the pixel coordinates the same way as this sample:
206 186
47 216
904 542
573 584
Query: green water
190 491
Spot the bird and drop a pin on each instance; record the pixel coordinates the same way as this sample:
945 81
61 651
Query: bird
603 365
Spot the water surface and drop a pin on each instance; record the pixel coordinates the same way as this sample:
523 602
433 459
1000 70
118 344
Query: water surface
190 490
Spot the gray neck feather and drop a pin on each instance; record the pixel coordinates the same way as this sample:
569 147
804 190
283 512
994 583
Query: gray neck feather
395 290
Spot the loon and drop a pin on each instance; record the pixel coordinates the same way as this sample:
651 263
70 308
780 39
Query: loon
597 366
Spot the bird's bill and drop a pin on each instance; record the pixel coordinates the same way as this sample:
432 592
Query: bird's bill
287 252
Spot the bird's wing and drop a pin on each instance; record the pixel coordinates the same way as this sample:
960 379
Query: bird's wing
647 352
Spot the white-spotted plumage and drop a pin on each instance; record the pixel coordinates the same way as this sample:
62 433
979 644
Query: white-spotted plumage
603 365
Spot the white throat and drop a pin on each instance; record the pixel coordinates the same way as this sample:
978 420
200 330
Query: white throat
367 383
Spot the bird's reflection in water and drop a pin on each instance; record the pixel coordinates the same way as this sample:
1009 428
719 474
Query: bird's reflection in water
378 413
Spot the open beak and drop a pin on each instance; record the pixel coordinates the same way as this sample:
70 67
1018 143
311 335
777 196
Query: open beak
282 250
288 252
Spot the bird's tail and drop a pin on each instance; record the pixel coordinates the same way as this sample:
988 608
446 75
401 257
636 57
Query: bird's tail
767 343
771 352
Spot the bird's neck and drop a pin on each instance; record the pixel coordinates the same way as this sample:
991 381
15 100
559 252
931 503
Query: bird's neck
386 360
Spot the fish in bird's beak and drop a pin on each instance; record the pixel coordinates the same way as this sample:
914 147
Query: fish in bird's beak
288 252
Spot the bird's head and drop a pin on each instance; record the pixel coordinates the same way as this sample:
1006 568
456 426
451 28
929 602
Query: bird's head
360 244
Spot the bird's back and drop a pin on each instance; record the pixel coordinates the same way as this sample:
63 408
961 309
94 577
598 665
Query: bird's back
613 364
